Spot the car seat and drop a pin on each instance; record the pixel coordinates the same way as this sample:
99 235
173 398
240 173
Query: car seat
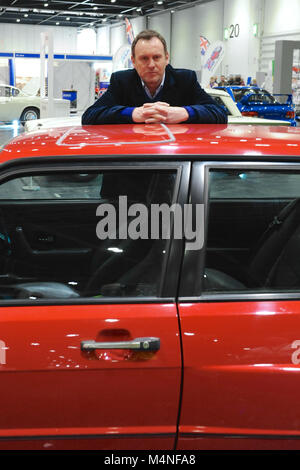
274 261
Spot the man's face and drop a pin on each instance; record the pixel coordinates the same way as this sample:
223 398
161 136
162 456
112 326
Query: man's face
150 61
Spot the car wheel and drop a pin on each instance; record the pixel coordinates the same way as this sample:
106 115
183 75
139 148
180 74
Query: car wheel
29 114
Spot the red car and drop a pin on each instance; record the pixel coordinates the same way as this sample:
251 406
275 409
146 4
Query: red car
154 304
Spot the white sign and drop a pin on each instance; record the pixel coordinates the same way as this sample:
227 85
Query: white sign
212 60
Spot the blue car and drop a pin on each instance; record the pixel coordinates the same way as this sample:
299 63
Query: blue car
254 101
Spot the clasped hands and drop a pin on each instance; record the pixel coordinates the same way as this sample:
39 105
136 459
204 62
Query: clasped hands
159 112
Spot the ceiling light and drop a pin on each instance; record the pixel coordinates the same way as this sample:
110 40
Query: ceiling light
46 4
104 19
160 2
112 1
138 9
26 15
18 20
95 8
57 23
68 18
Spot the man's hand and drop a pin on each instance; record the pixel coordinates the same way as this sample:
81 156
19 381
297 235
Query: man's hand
159 112
151 112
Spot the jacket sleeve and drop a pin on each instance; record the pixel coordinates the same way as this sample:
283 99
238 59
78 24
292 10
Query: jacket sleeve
106 109
205 109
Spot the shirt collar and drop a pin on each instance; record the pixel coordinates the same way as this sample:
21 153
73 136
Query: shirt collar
157 89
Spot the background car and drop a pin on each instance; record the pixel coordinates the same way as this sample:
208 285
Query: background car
223 98
17 105
257 102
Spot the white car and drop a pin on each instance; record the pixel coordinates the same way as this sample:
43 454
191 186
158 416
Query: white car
17 105
220 96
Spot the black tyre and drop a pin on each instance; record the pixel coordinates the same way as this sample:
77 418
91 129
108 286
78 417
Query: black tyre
29 114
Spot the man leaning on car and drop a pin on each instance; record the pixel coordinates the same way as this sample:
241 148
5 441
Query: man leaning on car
153 92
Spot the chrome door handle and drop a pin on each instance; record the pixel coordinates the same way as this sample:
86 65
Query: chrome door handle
138 344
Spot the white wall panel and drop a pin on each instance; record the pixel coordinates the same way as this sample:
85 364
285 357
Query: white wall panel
162 24
242 52
86 41
103 46
117 38
26 38
138 24
4 72
281 16
187 27
75 75
281 22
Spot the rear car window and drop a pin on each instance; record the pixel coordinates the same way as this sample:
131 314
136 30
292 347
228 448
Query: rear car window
253 231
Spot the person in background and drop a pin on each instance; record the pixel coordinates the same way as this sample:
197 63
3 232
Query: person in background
238 81
154 91
222 81
213 82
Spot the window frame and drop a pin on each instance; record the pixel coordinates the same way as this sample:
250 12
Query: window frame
172 264
191 285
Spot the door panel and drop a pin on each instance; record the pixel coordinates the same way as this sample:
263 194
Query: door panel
105 399
45 235
241 375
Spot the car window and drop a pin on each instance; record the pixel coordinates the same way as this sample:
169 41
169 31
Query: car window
253 231
261 98
15 92
5 91
72 235
53 186
238 94
220 102
245 184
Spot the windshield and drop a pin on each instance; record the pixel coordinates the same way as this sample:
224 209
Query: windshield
253 95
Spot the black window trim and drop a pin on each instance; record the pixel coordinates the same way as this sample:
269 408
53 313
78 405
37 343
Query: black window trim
172 264
194 262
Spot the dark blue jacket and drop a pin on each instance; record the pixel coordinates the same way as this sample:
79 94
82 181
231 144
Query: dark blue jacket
181 88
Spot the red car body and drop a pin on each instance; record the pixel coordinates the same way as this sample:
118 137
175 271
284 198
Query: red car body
226 374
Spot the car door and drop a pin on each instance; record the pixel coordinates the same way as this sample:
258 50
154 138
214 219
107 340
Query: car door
89 352
240 312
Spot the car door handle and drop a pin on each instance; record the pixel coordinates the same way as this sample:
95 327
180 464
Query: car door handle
138 344
26 248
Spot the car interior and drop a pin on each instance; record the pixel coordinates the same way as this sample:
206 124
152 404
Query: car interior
49 243
253 241
50 247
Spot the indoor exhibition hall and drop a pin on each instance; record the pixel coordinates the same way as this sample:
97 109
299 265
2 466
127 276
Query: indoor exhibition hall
149 228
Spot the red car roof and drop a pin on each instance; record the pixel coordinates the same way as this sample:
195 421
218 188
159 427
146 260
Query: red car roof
156 139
